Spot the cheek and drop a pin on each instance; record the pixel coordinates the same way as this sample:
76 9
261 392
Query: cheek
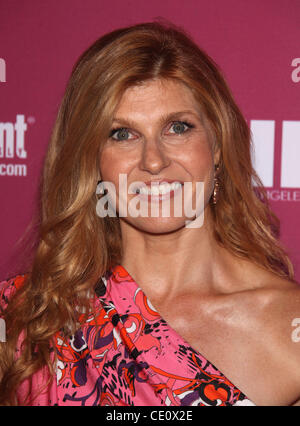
200 163
111 164
202 169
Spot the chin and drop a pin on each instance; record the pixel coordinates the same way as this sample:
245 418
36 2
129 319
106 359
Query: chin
159 225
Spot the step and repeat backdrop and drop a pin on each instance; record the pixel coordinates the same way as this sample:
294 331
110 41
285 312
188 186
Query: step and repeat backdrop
256 44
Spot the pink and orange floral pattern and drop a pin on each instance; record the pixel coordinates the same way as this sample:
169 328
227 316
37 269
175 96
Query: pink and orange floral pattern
126 355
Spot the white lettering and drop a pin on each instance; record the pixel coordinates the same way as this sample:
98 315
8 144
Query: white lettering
123 195
285 195
20 128
106 205
263 138
2 330
123 416
189 211
296 72
273 195
263 143
7 129
7 138
138 205
170 415
2 71
10 170
13 170
290 154
296 333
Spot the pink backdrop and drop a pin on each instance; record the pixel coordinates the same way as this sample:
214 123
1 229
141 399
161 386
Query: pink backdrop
256 44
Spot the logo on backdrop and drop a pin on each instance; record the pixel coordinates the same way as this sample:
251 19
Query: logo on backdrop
296 72
263 137
2 71
12 146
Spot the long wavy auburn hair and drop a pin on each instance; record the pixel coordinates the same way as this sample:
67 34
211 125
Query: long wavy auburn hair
75 245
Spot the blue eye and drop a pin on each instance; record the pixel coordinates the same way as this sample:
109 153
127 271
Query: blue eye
180 127
121 134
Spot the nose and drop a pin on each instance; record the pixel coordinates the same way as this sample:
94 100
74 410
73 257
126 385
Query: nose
154 159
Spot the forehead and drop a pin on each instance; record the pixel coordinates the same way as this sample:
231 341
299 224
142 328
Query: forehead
155 97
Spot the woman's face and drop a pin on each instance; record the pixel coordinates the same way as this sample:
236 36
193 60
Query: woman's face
158 136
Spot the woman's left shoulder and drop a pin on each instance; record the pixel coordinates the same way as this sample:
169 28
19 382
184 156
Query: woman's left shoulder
281 297
277 301
278 324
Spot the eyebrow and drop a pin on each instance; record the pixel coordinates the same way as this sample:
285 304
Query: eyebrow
163 119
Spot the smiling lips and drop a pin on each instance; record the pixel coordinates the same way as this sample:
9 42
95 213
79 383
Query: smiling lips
158 190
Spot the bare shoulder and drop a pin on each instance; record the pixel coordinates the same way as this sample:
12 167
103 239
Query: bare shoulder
281 311
275 307
269 291
272 313
275 303
278 298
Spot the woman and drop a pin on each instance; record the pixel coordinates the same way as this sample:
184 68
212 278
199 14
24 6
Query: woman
151 309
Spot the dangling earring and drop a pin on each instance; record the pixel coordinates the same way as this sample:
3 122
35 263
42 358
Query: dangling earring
216 186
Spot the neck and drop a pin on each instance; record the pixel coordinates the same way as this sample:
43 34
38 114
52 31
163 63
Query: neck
160 264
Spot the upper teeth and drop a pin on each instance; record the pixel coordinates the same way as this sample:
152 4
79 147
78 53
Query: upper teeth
163 188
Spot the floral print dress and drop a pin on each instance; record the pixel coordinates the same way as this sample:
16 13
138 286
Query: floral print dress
127 355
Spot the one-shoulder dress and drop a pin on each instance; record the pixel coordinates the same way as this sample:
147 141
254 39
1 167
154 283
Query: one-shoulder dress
125 354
